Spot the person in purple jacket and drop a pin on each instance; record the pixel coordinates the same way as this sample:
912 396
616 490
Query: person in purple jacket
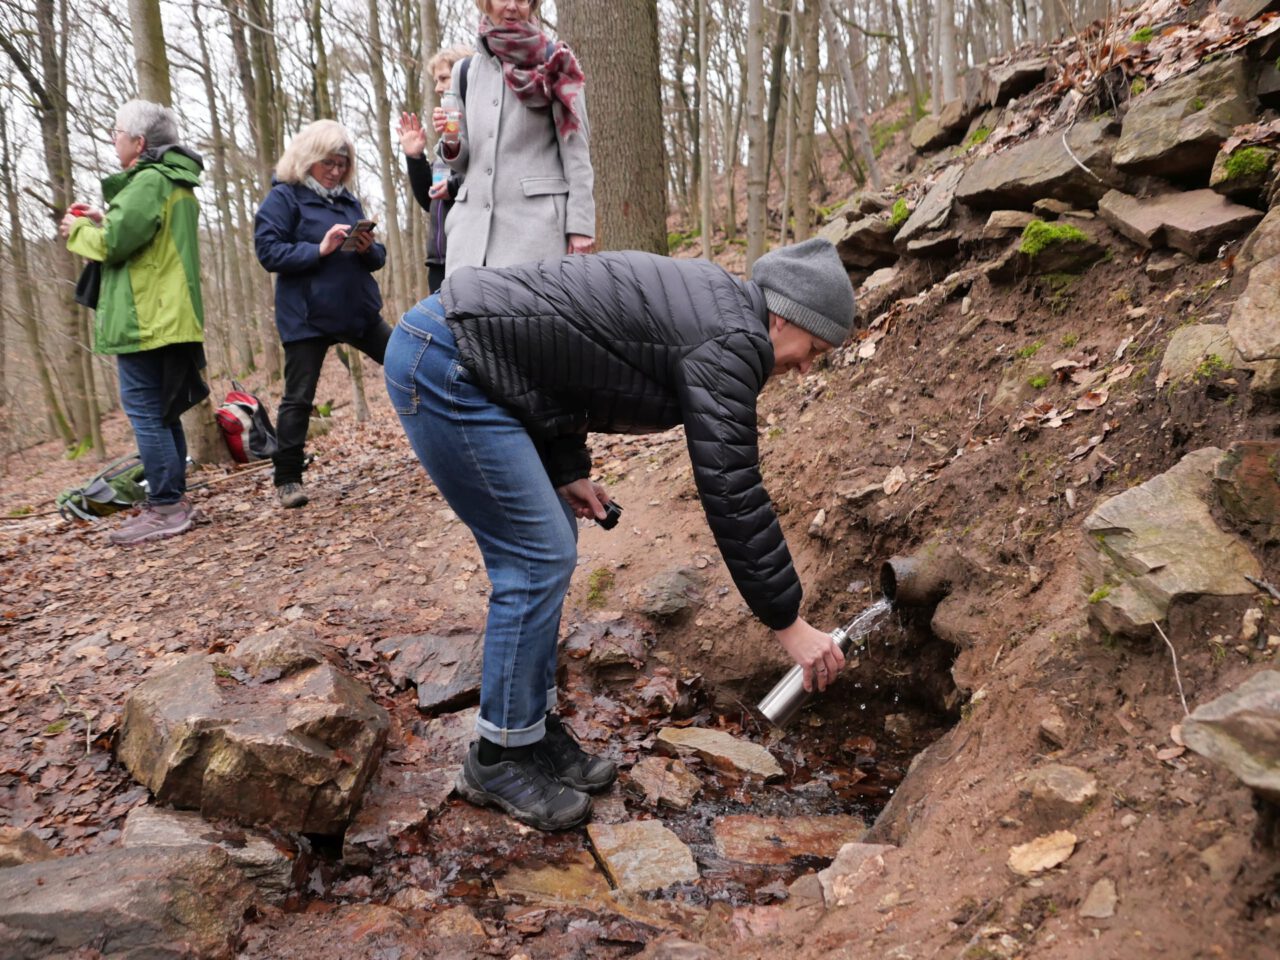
325 291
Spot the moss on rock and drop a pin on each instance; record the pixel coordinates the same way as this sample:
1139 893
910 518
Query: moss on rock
1037 235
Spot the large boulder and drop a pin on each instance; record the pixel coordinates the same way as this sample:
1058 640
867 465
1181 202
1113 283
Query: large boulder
294 751
1241 731
151 903
1247 481
1191 352
1194 222
1175 130
1045 167
1157 542
1252 323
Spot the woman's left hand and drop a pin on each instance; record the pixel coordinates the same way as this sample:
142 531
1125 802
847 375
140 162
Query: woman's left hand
439 190
581 244
586 497
364 241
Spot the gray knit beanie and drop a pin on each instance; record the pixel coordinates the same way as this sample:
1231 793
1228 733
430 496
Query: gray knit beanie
807 284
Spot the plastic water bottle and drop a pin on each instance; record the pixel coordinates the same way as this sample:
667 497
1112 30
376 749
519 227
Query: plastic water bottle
452 105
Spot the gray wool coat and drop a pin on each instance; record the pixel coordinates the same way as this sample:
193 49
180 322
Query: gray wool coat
525 187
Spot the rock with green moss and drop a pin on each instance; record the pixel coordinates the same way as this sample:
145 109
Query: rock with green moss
1175 129
1037 236
1245 173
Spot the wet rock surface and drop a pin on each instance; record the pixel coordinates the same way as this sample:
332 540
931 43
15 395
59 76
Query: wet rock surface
642 855
721 750
292 750
750 839
153 902
268 866
444 668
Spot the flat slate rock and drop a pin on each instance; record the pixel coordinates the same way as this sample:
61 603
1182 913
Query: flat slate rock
265 865
642 855
22 846
572 880
1241 731
1194 222
721 751
1158 542
934 210
445 668
1043 168
1164 135
1252 323
863 244
776 840
665 781
158 903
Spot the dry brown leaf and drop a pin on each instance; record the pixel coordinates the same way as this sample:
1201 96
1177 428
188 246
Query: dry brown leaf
1042 853
895 481
1092 400
1121 372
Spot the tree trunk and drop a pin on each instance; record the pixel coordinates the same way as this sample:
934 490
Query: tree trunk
624 100
149 54
777 77
387 166
947 49
757 148
806 111
706 179
204 439
28 310
904 58
852 94
322 103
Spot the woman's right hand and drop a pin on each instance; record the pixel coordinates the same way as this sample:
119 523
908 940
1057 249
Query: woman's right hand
816 653
438 119
333 238
413 139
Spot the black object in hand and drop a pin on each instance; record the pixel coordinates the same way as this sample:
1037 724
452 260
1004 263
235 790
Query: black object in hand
612 514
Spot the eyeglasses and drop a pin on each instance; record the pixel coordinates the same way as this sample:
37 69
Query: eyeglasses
117 132
338 165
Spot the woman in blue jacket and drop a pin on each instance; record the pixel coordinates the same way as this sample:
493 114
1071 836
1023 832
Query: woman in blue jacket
325 291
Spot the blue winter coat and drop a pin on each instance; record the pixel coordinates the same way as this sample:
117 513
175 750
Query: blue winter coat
334 296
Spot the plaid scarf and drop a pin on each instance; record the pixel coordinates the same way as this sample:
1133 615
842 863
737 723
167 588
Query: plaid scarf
536 79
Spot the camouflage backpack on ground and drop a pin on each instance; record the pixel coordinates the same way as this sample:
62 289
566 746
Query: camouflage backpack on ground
118 486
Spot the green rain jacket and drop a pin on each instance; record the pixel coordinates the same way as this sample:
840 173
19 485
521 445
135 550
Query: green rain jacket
149 250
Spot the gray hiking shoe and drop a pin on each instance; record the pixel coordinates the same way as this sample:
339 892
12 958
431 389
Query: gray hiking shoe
291 495
572 765
524 789
154 522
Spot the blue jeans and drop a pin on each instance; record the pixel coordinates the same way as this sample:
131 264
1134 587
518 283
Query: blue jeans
486 466
162 446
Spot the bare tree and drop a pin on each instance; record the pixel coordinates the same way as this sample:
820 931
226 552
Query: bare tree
757 148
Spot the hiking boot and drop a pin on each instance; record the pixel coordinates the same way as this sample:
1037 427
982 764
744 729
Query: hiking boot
572 765
524 789
291 495
154 522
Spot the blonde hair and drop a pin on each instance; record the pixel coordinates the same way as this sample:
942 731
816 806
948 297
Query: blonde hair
483 6
449 56
310 145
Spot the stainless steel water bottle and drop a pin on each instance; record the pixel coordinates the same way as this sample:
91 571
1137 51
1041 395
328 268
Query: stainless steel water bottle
782 703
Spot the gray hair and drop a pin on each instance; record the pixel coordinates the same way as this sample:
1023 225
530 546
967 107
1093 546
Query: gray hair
317 140
156 124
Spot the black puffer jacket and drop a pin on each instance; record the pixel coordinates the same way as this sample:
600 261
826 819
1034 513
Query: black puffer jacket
635 343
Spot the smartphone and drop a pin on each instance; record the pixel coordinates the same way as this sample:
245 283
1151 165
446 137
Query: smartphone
364 226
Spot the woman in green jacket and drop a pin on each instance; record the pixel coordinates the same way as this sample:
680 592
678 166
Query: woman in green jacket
149 312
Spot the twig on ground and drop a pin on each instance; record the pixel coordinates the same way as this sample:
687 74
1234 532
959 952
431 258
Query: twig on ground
1176 675
1263 585
910 443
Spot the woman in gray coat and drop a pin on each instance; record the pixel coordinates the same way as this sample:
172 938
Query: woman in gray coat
523 149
